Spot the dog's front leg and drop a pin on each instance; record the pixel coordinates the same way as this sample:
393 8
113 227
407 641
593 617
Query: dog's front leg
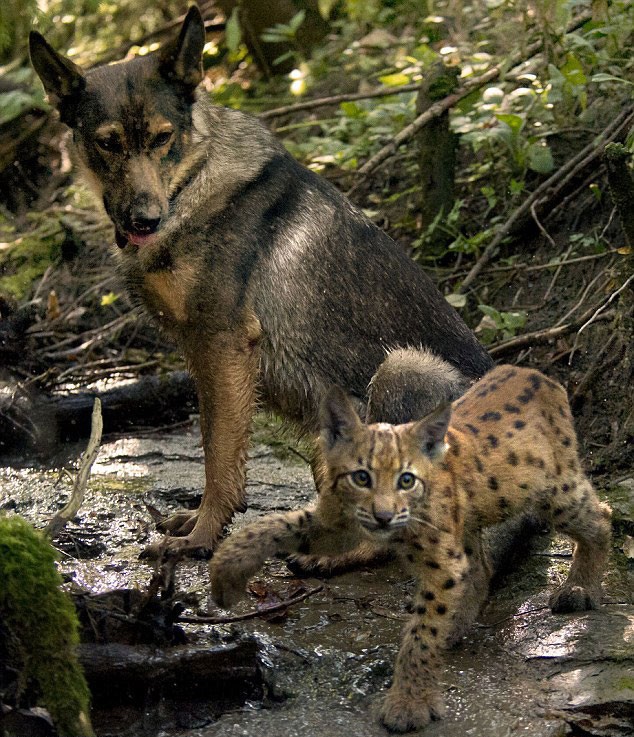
225 368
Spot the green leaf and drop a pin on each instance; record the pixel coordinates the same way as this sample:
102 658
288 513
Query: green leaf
325 8
456 300
352 110
492 313
296 21
514 122
573 71
602 77
540 158
514 320
395 80
14 103
233 31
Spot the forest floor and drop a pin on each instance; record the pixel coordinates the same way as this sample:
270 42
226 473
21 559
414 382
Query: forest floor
318 667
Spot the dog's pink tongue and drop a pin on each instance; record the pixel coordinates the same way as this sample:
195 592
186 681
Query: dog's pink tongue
141 240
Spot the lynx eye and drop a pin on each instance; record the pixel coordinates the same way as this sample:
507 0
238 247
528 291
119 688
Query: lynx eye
406 481
111 143
362 479
162 139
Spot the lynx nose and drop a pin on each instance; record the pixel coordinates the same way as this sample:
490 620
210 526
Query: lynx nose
383 516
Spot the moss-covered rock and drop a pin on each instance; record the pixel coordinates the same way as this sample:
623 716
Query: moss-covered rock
39 627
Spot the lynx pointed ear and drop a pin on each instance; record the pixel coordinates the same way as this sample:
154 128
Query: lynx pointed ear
431 430
181 60
338 419
63 80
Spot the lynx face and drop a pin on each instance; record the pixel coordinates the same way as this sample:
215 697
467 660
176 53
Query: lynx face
380 472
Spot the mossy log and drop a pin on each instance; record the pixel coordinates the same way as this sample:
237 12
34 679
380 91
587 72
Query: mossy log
39 628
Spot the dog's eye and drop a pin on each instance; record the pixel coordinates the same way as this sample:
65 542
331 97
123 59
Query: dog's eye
161 139
362 479
111 144
406 481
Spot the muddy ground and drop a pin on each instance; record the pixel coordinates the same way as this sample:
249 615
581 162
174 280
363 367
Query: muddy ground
319 670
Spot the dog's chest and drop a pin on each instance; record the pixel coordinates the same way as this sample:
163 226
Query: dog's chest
167 294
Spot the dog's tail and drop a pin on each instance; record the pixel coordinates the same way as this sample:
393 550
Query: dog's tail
411 383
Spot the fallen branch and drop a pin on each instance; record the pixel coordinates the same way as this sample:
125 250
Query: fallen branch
57 524
165 29
255 613
539 337
550 188
336 99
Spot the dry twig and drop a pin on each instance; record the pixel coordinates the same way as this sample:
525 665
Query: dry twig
336 99
539 337
59 521
254 614
597 313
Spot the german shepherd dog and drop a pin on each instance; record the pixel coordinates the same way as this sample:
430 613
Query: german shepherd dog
273 285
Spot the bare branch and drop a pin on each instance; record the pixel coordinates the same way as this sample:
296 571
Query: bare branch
57 524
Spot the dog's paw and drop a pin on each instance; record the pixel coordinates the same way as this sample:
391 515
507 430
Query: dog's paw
179 524
403 711
573 599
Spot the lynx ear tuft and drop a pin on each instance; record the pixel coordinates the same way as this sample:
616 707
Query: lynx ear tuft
338 419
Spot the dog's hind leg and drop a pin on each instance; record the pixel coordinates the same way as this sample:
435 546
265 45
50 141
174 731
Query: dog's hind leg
225 368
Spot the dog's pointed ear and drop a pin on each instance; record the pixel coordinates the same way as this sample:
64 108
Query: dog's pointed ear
181 59
431 430
338 419
63 80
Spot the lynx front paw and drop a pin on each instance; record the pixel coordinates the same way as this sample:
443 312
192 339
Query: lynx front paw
228 584
573 599
404 712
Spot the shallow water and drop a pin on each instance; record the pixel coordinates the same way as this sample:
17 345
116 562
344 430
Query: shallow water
522 671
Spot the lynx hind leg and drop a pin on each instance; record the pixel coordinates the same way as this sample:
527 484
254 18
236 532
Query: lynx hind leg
243 553
411 383
586 520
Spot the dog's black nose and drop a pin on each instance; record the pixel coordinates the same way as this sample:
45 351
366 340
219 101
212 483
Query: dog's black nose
145 225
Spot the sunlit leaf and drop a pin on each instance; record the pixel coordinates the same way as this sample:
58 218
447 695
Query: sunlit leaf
233 31
108 299
456 300
395 80
514 122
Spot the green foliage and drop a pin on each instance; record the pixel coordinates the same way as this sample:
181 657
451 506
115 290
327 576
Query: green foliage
17 101
286 33
40 625
15 17
355 132
25 259
495 324
233 30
